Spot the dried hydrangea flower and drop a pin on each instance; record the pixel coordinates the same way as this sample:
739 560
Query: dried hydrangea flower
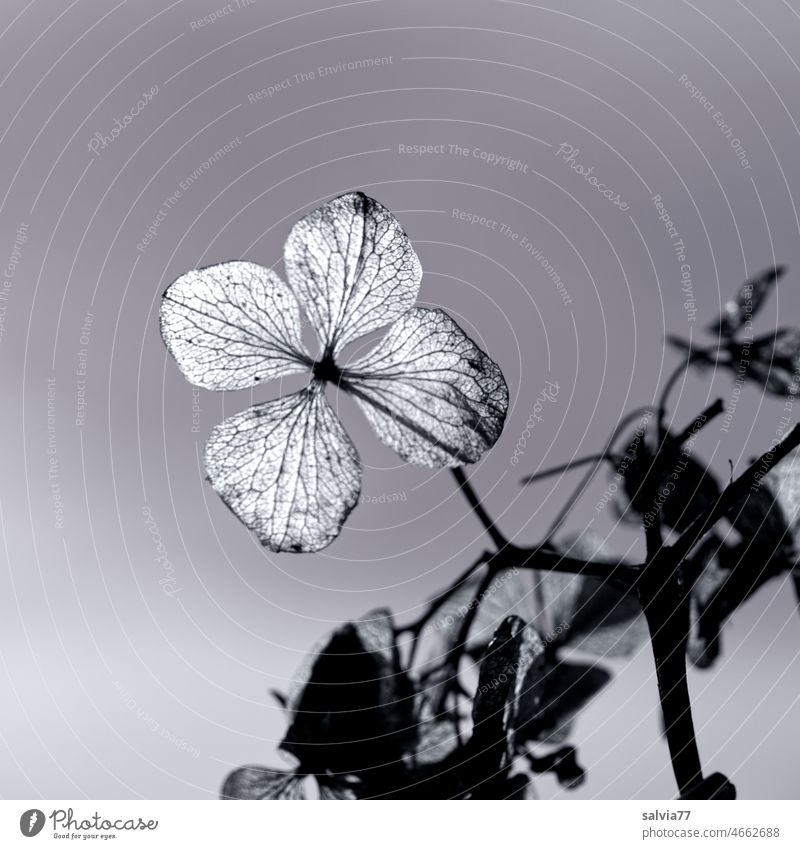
287 468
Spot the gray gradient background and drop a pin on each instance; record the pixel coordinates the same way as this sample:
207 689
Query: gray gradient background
102 673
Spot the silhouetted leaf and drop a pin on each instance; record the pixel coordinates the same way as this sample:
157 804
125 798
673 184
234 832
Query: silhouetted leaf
430 393
760 516
232 325
664 478
563 763
593 615
703 645
697 357
353 267
566 688
519 787
772 361
748 301
724 577
287 469
355 710
507 679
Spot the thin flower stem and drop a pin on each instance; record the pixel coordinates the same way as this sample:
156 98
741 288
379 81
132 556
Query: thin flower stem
680 369
587 478
566 467
477 508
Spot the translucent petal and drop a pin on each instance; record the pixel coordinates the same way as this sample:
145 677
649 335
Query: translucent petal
232 325
287 469
352 267
430 393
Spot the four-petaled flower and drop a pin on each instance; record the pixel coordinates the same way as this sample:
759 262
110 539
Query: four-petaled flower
286 467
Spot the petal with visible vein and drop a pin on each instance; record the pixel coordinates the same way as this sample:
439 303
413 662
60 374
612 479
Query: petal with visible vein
287 469
232 325
352 267
430 393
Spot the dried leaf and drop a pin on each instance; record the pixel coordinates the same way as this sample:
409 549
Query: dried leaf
772 361
519 787
663 476
436 733
354 710
261 782
761 516
232 325
430 393
725 577
578 611
748 301
507 686
703 644
567 687
287 469
353 267
590 614
607 622
564 763
336 789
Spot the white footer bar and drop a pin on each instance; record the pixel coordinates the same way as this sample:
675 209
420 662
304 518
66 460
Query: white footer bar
405 825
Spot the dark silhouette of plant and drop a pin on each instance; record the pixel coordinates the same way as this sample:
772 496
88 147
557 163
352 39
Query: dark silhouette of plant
491 702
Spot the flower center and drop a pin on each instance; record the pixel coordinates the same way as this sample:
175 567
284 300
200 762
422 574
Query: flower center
326 369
